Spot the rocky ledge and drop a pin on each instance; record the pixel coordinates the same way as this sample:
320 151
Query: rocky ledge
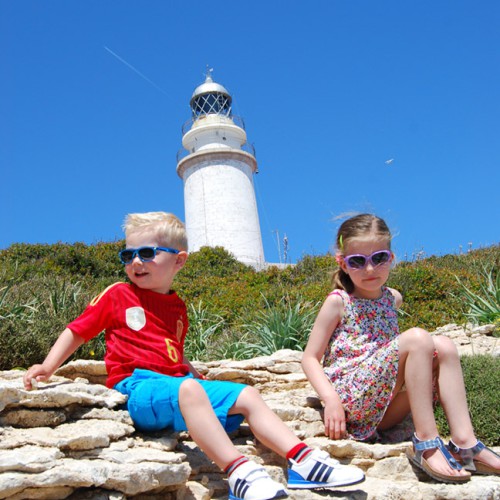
69 438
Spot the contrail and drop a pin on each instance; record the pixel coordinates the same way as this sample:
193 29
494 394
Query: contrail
135 70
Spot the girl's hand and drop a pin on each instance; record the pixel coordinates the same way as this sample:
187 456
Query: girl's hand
334 418
37 372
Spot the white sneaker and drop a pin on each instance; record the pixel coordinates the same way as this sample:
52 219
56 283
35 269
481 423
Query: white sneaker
319 470
250 481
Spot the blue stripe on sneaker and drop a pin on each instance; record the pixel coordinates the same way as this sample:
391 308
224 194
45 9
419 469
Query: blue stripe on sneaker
312 472
240 487
326 475
236 485
319 473
244 489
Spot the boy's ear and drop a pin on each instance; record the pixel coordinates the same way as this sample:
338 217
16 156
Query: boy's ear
181 259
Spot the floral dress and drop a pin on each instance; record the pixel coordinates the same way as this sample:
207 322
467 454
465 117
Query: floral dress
361 360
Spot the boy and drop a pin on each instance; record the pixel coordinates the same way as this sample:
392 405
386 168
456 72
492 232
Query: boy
146 324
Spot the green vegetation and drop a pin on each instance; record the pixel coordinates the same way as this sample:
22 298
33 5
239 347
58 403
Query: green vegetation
234 311
204 329
284 325
483 306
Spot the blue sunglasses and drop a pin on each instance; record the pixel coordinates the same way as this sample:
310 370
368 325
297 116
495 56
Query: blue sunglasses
146 254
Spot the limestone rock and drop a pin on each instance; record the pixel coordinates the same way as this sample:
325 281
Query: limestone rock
29 458
71 438
471 339
58 392
126 478
93 371
33 418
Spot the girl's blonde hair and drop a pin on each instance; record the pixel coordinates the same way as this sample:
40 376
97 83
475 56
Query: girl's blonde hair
357 227
169 230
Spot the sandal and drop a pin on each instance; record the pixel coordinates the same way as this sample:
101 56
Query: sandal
466 457
416 456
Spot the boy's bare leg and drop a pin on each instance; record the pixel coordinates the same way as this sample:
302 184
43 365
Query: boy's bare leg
207 432
204 426
267 427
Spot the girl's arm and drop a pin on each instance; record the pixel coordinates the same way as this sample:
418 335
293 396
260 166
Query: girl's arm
327 320
67 343
397 296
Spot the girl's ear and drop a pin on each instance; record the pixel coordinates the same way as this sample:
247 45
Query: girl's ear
340 262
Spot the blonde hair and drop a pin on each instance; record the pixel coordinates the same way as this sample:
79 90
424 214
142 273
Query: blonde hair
169 230
357 227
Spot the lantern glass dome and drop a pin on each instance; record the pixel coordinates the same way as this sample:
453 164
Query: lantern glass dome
210 98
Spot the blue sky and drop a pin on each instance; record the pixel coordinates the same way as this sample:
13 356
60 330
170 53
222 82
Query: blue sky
93 96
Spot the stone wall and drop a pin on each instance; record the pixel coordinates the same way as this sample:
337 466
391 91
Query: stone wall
69 439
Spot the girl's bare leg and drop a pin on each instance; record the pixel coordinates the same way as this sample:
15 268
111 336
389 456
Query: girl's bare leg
396 411
416 348
454 401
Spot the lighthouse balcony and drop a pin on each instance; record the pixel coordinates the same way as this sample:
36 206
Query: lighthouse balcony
202 120
182 153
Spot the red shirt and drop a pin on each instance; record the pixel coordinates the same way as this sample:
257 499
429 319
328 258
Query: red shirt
144 329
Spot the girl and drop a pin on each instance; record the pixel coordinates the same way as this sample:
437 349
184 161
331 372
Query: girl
376 376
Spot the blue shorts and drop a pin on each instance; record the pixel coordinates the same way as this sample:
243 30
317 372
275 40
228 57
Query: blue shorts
153 400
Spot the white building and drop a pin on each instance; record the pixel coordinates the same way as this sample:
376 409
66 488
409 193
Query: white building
219 194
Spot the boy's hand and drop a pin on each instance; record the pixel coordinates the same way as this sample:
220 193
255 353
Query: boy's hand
37 373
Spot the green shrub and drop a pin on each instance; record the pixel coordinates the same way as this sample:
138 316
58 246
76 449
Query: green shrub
62 259
427 291
216 261
14 308
203 328
284 325
483 306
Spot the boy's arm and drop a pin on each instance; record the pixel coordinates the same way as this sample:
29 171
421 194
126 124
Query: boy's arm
192 369
67 343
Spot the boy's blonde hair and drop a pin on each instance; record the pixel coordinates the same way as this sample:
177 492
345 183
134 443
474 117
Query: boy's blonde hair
169 230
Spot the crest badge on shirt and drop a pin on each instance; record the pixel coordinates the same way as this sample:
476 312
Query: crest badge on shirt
136 318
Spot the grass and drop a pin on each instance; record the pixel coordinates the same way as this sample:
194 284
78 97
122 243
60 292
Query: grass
283 325
204 327
483 306
15 309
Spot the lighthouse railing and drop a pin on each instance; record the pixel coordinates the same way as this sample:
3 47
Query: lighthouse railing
248 148
237 120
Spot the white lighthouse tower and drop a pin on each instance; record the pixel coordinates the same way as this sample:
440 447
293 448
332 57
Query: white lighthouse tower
219 195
